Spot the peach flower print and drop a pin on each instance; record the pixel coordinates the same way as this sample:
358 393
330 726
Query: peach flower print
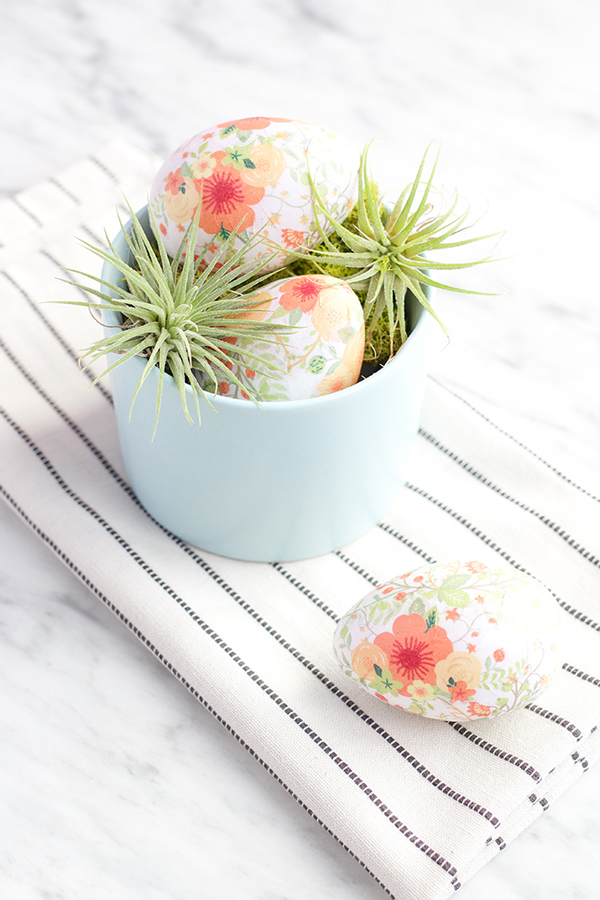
257 313
337 381
498 655
332 312
459 666
414 650
182 205
348 371
365 656
269 164
476 567
354 351
227 201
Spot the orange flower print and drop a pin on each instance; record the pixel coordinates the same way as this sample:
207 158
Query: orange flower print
249 124
479 598
460 692
498 655
269 166
414 650
453 615
475 567
182 204
172 181
302 291
162 228
332 312
365 656
227 201
292 238
478 709
224 387
471 648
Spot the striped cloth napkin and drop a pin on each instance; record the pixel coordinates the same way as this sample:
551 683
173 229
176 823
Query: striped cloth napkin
421 804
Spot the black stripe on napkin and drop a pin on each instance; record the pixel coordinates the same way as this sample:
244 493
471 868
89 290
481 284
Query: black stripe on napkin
502 493
292 715
24 209
417 765
331 686
515 440
585 620
168 665
65 191
68 350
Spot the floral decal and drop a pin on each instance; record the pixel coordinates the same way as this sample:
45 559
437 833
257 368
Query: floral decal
414 648
310 361
457 642
254 175
365 657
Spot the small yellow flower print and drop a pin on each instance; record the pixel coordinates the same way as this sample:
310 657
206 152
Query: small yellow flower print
423 693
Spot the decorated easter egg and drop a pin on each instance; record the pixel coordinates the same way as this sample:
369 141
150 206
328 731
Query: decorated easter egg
254 175
455 641
320 354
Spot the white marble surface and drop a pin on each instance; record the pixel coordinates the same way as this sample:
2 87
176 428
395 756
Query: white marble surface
98 741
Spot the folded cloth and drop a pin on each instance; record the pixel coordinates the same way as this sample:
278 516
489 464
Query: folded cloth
422 804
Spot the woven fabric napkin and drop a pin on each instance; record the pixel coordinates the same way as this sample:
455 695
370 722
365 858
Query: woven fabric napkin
421 804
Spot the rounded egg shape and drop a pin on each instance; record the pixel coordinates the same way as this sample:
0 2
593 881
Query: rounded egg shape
456 641
321 353
254 175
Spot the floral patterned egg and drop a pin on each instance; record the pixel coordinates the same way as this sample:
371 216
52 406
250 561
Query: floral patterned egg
323 352
457 641
254 174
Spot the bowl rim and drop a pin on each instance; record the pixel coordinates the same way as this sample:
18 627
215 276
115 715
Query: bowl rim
417 335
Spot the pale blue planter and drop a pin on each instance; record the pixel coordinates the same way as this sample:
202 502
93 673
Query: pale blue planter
284 481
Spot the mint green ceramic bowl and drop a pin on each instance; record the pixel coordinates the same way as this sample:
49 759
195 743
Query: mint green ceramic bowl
285 481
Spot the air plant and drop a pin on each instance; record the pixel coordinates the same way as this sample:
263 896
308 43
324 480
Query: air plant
182 317
389 248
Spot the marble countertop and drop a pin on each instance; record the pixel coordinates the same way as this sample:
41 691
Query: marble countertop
98 739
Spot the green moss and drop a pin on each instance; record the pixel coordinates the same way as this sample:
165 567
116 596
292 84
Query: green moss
377 351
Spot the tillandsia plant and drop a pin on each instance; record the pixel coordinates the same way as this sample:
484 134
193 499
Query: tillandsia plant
181 315
385 251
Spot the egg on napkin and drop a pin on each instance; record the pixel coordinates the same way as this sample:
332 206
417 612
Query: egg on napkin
321 353
254 174
456 641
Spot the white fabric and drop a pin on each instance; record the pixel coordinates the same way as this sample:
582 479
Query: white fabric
422 804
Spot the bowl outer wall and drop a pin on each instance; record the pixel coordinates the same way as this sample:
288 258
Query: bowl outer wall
283 481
